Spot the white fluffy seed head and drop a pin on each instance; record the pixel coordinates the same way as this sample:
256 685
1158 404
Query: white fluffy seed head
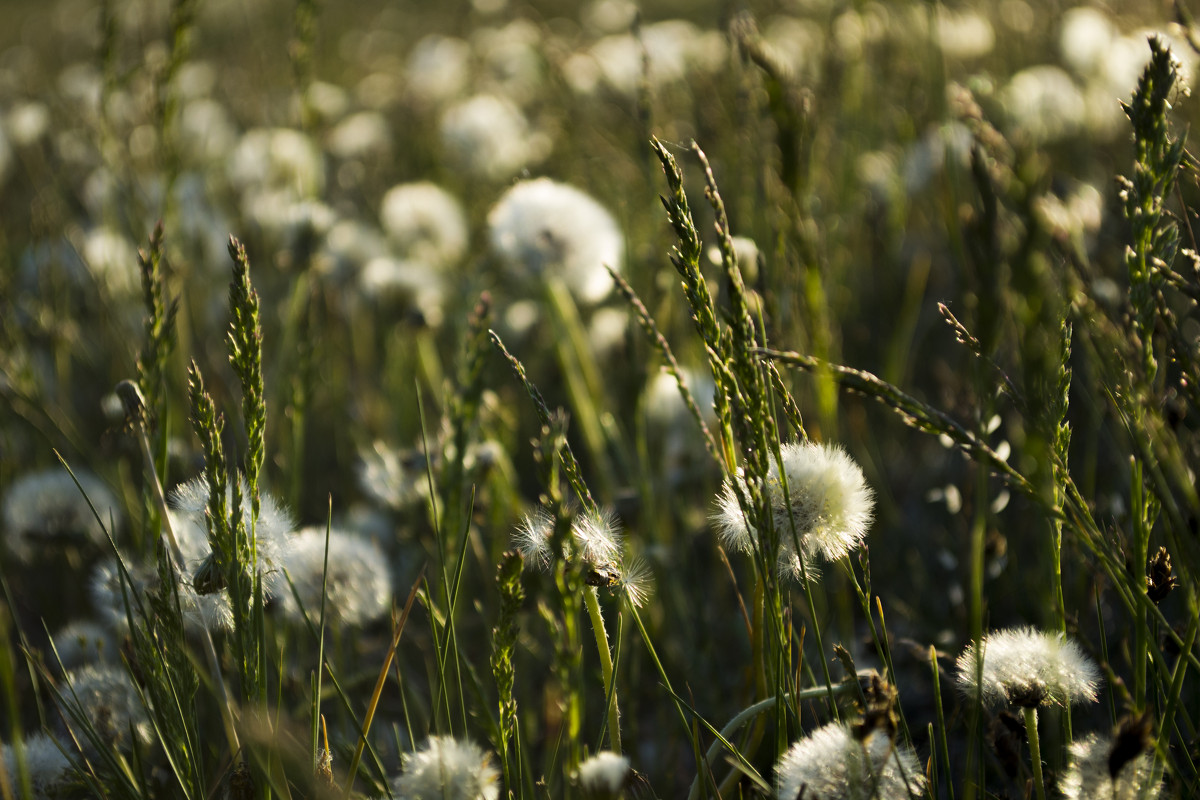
544 230
49 768
1028 668
83 642
46 509
445 768
358 585
1089 776
425 224
819 492
603 776
831 764
272 531
107 698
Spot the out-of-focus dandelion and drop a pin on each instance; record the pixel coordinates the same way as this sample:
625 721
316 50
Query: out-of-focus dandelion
83 642
358 586
424 223
831 763
49 768
1123 768
395 478
603 776
438 69
827 502
489 137
45 510
445 768
541 229
106 697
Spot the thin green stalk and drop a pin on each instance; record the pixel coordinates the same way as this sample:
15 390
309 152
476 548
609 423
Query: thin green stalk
1035 752
942 739
591 601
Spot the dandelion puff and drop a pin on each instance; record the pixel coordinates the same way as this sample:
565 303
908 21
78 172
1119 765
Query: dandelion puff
272 530
541 229
394 478
1028 668
1091 774
82 642
603 776
827 502
831 763
107 596
49 768
448 769
106 697
425 224
358 586
47 508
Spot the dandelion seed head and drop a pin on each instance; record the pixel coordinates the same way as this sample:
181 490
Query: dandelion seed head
81 642
543 229
445 768
362 135
1028 668
831 764
358 585
395 478
104 695
438 68
45 509
603 775
425 224
827 500
49 768
112 259
1089 778
489 137
272 530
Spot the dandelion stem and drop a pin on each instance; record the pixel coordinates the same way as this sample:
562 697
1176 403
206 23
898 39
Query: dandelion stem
606 666
1035 752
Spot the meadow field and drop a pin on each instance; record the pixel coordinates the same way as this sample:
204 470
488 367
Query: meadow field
543 399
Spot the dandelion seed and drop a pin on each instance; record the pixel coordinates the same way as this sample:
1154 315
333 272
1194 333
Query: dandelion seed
49 768
542 229
603 776
1090 777
827 501
635 582
831 763
1028 668
47 509
358 586
532 538
448 769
